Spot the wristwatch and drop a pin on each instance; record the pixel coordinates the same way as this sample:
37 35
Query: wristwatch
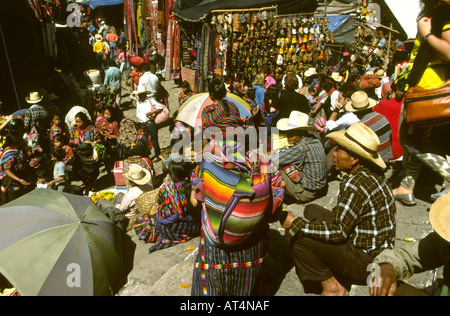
426 36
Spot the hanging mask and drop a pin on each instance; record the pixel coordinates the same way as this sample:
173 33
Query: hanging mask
280 60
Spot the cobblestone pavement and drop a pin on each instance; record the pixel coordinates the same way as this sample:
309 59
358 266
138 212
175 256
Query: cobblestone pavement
168 272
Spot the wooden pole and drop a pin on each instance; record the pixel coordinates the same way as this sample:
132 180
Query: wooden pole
386 62
10 70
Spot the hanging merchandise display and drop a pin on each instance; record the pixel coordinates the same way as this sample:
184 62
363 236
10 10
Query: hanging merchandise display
373 43
131 25
173 54
248 39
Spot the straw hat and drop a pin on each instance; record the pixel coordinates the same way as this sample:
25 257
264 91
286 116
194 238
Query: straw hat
337 77
141 89
34 97
360 140
440 216
138 174
360 101
296 120
98 38
310 72
380 73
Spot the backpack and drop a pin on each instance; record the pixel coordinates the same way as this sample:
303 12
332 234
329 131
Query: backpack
238 198
369 82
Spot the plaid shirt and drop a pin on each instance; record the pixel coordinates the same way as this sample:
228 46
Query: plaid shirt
310 152
364 215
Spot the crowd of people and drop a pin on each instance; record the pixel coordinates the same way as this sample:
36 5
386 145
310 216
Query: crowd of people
334 125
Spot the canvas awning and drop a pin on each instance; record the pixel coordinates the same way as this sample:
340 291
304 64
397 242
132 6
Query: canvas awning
406 12
202 9
98 3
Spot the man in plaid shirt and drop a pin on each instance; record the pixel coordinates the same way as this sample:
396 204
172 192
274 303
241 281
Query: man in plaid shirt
302 163
344 241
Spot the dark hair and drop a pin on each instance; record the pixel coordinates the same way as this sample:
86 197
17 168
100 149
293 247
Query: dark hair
186 85
82 116
141 126
60 138
217 89
327 85
59 153
145 67
42 173
251 94
111 110
347 90
427 8
291 82
179 171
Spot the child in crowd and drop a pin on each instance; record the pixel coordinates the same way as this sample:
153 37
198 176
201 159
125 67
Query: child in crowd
57 126
186 92
42 178
60 141
175 222
107 127
88 168
59 171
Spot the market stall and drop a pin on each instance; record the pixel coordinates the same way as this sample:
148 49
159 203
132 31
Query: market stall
235 43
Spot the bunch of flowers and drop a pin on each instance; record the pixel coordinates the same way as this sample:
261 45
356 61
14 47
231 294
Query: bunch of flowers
104 194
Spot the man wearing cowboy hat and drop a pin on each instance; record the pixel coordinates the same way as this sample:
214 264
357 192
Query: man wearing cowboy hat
431 252
36 116
303 162
361 105
99 48
146 111
344 241
140 180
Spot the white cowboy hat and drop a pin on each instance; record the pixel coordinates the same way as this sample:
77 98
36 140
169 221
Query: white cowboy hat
380 73
310 72
138 174
141 89
360 140
34 97
336 77
360 101
296 120
440 216
98 38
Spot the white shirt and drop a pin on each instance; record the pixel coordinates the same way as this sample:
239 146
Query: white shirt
142 108
129 198
151 82
334 99
342 123
300 82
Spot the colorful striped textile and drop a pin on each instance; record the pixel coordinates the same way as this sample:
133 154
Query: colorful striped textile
218 272
10 158
380 125
172 224
224 115
239 194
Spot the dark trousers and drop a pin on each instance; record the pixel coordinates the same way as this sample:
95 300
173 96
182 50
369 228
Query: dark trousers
100 61
317 261
152 129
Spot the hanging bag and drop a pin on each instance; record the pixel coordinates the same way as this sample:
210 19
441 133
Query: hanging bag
428 107
425 107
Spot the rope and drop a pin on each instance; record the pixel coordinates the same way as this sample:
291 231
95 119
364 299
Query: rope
9 65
